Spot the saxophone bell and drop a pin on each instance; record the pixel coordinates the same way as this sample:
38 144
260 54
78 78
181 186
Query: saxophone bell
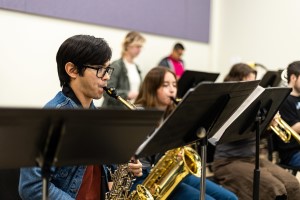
170 171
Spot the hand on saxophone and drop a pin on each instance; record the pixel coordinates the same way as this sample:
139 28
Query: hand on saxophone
135 167
132 95
180 154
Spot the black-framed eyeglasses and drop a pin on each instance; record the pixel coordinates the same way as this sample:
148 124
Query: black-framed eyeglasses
101 70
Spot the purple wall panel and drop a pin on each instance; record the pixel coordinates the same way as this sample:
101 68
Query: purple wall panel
188 19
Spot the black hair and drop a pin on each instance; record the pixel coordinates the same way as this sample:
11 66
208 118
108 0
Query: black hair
80 50
293 68
178 46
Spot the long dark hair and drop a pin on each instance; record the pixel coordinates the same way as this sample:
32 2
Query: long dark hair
154 79
239 71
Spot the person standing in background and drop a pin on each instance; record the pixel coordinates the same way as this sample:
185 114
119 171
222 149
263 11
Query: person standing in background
127 75
174 61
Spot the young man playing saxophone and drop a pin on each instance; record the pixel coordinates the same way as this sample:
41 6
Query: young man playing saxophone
83 70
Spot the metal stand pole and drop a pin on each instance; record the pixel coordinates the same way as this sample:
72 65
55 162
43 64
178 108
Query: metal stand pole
203 144
202 134
45 188
256 169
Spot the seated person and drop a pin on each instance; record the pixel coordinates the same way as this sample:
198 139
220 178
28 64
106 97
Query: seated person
82 79
158 86
289 153
234 162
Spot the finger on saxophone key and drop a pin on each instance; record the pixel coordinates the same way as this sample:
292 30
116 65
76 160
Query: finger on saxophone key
135 167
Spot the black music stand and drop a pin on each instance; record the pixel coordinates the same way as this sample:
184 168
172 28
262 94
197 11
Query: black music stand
50 137
190 79
250 120
271 79
194 118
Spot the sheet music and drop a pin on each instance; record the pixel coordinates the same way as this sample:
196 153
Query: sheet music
216 137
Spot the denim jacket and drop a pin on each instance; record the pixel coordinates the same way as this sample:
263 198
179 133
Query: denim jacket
64 182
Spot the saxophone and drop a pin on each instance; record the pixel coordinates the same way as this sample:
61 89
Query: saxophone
122 181
170 171
121 177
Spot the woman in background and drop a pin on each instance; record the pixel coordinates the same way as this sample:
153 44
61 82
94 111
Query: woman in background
127 75
158 86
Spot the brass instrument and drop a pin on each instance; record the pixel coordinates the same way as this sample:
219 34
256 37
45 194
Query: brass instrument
169 171
112 93
175 100
122 182
122 178
284 131
284 77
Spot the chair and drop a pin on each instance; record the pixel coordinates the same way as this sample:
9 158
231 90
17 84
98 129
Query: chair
273 156
9 181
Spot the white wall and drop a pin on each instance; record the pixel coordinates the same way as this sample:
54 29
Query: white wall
264 31
28 46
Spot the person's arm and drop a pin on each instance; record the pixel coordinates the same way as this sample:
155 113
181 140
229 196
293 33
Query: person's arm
164 63
115 78
289 114
30 186
296 127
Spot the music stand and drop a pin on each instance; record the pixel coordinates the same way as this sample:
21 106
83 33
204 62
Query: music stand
200 109
250 120
51 137
190 79
271 79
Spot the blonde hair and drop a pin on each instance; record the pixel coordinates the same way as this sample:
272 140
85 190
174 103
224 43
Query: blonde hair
132 38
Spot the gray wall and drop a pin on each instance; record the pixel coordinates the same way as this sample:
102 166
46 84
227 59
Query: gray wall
187 19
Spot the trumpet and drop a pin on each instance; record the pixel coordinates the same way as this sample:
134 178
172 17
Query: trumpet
284 131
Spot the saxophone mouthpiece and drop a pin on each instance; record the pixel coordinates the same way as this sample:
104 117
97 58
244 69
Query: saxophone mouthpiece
111 92
175 100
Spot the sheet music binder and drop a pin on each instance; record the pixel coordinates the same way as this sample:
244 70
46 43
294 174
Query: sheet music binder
93 136
202 106
114 139
267 102
271 79
250 120
190 79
